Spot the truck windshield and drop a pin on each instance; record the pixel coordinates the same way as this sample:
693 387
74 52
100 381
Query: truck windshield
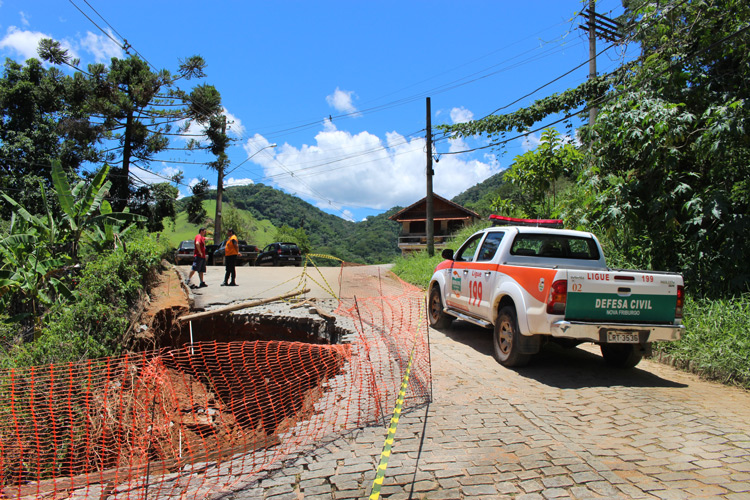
563 247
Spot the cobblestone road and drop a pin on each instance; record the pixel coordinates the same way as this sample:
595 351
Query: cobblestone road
566 426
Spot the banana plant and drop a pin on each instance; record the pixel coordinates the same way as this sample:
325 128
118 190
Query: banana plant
29 271
110 231
39 250
84 207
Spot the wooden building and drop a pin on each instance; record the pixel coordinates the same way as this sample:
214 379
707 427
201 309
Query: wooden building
448 218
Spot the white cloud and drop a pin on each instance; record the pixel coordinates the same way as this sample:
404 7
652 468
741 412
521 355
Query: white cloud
234 124
231 181
461 115
362 170
198 132
24 19
531 141
102 47
341 100
22 42
154 176
25 42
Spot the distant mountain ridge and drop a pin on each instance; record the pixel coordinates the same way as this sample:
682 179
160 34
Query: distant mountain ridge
374 240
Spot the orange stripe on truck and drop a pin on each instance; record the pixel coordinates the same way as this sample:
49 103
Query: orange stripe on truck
530 278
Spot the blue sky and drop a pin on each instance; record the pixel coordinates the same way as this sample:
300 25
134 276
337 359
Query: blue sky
338 86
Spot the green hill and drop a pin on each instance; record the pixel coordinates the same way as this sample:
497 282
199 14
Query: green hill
266 209
262 233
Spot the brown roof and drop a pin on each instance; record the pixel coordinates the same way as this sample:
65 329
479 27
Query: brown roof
460 212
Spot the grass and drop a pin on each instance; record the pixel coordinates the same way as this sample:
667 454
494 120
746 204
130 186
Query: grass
717 340
262 235
417 268
716 343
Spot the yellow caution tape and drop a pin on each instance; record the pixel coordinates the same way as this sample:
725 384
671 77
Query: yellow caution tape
389 440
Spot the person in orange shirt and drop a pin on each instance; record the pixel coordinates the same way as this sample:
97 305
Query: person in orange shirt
231 251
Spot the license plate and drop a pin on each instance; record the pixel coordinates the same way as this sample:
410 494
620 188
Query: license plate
621 337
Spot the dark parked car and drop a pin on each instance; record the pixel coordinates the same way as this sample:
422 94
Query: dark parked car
210 249
184 252
247 254
280 254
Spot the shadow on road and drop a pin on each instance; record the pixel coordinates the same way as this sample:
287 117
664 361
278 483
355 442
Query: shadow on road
559 367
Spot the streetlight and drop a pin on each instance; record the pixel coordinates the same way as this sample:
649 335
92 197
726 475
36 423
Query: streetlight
243 161
220 191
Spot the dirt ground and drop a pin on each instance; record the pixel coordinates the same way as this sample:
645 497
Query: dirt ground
166 301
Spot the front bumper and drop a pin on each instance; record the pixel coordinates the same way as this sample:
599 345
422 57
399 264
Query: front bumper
594 331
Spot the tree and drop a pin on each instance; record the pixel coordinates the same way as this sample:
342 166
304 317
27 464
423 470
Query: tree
536 172
233 219
133 106
195 211
39 122
298 236
666 177
671 155
39 250
206 109
156 202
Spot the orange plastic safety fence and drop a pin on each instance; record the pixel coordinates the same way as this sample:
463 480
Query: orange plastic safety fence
198 419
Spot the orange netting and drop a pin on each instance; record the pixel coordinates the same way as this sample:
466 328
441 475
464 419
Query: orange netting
197 419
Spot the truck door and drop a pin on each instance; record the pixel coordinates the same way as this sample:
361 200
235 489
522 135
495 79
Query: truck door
458 286
483 276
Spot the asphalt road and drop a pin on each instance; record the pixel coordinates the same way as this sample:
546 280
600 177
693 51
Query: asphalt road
566 426
263 282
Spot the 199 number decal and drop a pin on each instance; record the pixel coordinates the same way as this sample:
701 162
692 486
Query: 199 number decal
475 293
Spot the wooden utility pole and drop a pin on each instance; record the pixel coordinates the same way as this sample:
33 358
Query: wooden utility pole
219 190
593 110
429 202
599 26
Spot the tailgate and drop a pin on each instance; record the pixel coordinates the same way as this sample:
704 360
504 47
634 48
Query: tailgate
622 296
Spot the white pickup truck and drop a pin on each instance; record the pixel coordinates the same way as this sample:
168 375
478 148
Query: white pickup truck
539 284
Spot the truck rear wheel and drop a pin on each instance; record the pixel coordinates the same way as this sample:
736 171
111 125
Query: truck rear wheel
621 355
438 318
506 339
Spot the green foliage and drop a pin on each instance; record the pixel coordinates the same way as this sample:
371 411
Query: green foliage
95 324
480 198
195 211
38 251
716 341
417 268
523 119
39 121
244 225
155 202
670 154
298 236
374 240
536 173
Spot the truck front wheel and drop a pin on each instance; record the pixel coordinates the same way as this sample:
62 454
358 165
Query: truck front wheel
438 318
621 355
506 339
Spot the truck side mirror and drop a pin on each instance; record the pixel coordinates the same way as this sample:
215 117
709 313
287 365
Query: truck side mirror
447 254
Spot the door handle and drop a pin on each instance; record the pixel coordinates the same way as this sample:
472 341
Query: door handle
488 273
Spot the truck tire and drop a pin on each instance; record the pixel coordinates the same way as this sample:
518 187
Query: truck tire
621 355
506 339
438 318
